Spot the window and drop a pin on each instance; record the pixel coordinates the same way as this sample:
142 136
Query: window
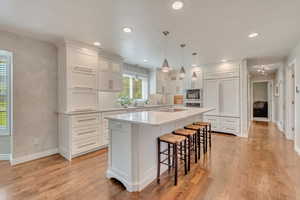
5 61
135 87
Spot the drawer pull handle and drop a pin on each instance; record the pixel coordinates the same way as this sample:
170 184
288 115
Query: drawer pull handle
85 120
83 87
86 132
85 145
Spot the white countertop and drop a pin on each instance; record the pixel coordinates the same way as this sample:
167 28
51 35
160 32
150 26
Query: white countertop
130 108
158 117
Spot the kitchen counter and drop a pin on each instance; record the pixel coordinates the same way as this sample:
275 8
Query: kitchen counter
158 117
132 144
130 108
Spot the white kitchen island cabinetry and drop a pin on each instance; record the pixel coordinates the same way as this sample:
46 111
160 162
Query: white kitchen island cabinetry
132 145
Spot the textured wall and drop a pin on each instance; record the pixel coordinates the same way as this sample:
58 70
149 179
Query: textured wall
34 94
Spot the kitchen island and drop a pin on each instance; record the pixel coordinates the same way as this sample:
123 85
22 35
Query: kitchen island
132 144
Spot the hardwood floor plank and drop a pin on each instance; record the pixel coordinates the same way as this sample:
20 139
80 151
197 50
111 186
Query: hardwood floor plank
261 167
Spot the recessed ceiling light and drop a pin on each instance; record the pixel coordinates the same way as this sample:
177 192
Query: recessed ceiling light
97 44
253 35
145 60
127 29
224 60
177 5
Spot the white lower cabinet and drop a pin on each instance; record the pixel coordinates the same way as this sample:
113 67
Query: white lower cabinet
224 124
79 134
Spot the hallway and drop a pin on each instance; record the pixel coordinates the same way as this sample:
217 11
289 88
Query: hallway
262 167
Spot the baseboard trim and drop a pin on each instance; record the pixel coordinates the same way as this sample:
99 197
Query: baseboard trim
297 150
16 161
4 156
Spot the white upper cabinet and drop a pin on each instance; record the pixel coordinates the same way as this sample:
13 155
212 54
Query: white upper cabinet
211 95
229 97
110 75
78 77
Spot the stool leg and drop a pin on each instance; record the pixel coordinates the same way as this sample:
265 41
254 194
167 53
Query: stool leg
185 157
199 143
209 136
176 164
206 138
169 158
189 152
158 160
203 140
195 145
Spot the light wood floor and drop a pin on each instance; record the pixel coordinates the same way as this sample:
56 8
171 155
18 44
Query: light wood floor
262 167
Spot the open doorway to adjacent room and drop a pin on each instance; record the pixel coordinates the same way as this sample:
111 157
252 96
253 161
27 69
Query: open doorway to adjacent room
262 100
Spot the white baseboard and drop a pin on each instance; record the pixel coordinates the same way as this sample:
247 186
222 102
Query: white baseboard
4 156
297 150
279 126
35 156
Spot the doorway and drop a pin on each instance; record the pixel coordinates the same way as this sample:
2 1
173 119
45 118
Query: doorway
262 101
290 99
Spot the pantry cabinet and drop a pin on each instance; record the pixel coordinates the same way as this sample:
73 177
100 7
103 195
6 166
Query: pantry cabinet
222 92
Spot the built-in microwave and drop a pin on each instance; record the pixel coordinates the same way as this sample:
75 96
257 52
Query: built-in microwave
194 94
193 98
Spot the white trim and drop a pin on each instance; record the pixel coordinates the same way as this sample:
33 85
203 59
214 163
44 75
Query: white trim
279 127
297 150
288 131
271 114
4 156
35 156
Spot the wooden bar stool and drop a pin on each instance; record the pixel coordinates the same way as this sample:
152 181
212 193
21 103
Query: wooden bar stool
208 129
172 141
192 137
201 134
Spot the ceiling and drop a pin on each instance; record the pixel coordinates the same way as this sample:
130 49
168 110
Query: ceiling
213 28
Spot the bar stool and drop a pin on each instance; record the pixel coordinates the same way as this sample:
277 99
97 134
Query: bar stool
173 140
191 136
201 134
208 129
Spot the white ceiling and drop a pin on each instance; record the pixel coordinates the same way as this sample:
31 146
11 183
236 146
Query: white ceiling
213 28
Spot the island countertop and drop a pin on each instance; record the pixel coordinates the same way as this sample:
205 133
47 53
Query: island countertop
159 117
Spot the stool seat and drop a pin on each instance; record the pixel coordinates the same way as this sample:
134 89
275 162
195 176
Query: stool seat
171 138
194 127
202 123
185 132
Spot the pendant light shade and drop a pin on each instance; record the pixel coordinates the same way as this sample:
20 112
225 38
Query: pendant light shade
195 66
194 76
165 66
182 70
182 73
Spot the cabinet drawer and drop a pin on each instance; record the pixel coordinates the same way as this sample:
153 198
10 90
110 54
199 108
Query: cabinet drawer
83 78
82 99
82 57
114 125
85 120
85 145
214 122
86 132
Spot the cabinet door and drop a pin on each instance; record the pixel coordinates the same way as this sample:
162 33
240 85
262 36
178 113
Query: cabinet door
211 95
229 97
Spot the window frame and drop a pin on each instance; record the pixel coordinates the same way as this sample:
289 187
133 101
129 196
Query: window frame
145 85
7 131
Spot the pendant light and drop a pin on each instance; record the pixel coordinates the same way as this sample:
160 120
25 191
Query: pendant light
165 66
182 70
194 76
195 63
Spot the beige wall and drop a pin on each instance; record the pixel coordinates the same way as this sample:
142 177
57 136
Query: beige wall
34 94
295 55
